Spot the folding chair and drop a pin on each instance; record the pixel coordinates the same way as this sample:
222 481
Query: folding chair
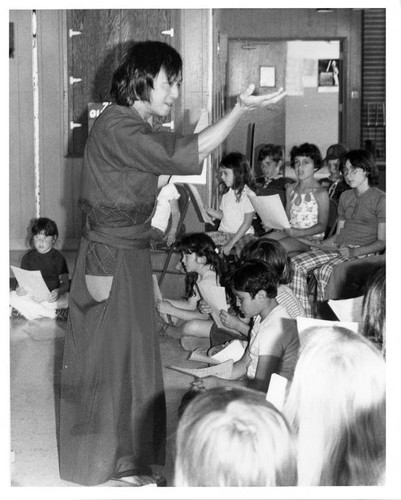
183 204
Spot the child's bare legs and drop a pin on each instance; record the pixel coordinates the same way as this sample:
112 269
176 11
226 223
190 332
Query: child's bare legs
197 328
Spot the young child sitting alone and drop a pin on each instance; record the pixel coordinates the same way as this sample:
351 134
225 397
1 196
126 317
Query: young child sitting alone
236 212
274 343
53 267
166 206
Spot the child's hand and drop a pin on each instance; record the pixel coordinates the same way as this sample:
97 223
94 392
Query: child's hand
346 252
226 249
211 381
164 307
20 290
54 295
204 307
170 238
228 320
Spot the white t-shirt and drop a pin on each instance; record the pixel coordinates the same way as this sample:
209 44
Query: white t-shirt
163 210
234 211
276 335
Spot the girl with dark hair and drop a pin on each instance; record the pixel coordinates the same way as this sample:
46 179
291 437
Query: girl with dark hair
201 262
113 409
307 202
235 211
361 228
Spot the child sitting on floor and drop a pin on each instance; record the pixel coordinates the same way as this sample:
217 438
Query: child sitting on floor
202 264
53 267
274 343
236 211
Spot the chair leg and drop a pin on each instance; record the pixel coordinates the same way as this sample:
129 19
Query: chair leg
166 264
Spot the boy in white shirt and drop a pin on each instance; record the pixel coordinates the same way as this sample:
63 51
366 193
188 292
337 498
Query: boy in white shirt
274 342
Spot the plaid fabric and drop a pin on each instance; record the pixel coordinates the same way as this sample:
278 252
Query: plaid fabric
220 239
321 263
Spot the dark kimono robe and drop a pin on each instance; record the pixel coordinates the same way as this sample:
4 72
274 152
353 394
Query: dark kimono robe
112 409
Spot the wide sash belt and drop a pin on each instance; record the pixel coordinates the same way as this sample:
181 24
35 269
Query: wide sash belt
130 237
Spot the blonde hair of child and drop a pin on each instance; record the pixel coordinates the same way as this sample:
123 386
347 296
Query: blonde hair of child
336 406
233 437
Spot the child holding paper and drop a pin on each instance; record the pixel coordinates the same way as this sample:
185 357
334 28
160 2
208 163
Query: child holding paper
236 211
201 261
307 204
274 343
53 267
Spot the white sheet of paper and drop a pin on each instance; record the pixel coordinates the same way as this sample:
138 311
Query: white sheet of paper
276 393
158 295
203 122
199 202
271 211
200 354
215 296
348 309
234 350
32 282
305 323
223 370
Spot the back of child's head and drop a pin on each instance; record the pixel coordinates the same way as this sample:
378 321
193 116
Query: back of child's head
336 405
272 252
253 276
272 151
45 226
310 151
239 164
374 309
360 158
233 437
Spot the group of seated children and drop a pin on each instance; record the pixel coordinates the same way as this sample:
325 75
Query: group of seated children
330 429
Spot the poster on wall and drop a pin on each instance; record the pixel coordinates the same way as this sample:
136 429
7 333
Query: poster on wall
328 75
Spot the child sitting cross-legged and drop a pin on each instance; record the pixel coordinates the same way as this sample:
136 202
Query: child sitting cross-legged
274 343
202 264
53 267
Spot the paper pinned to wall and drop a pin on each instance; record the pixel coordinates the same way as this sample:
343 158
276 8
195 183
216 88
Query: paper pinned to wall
271 211
203 122
32 282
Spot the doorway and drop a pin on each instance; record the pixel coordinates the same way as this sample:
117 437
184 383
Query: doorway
310 71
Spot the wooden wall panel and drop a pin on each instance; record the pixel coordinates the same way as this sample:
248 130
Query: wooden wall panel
95 53
308 24
21 158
